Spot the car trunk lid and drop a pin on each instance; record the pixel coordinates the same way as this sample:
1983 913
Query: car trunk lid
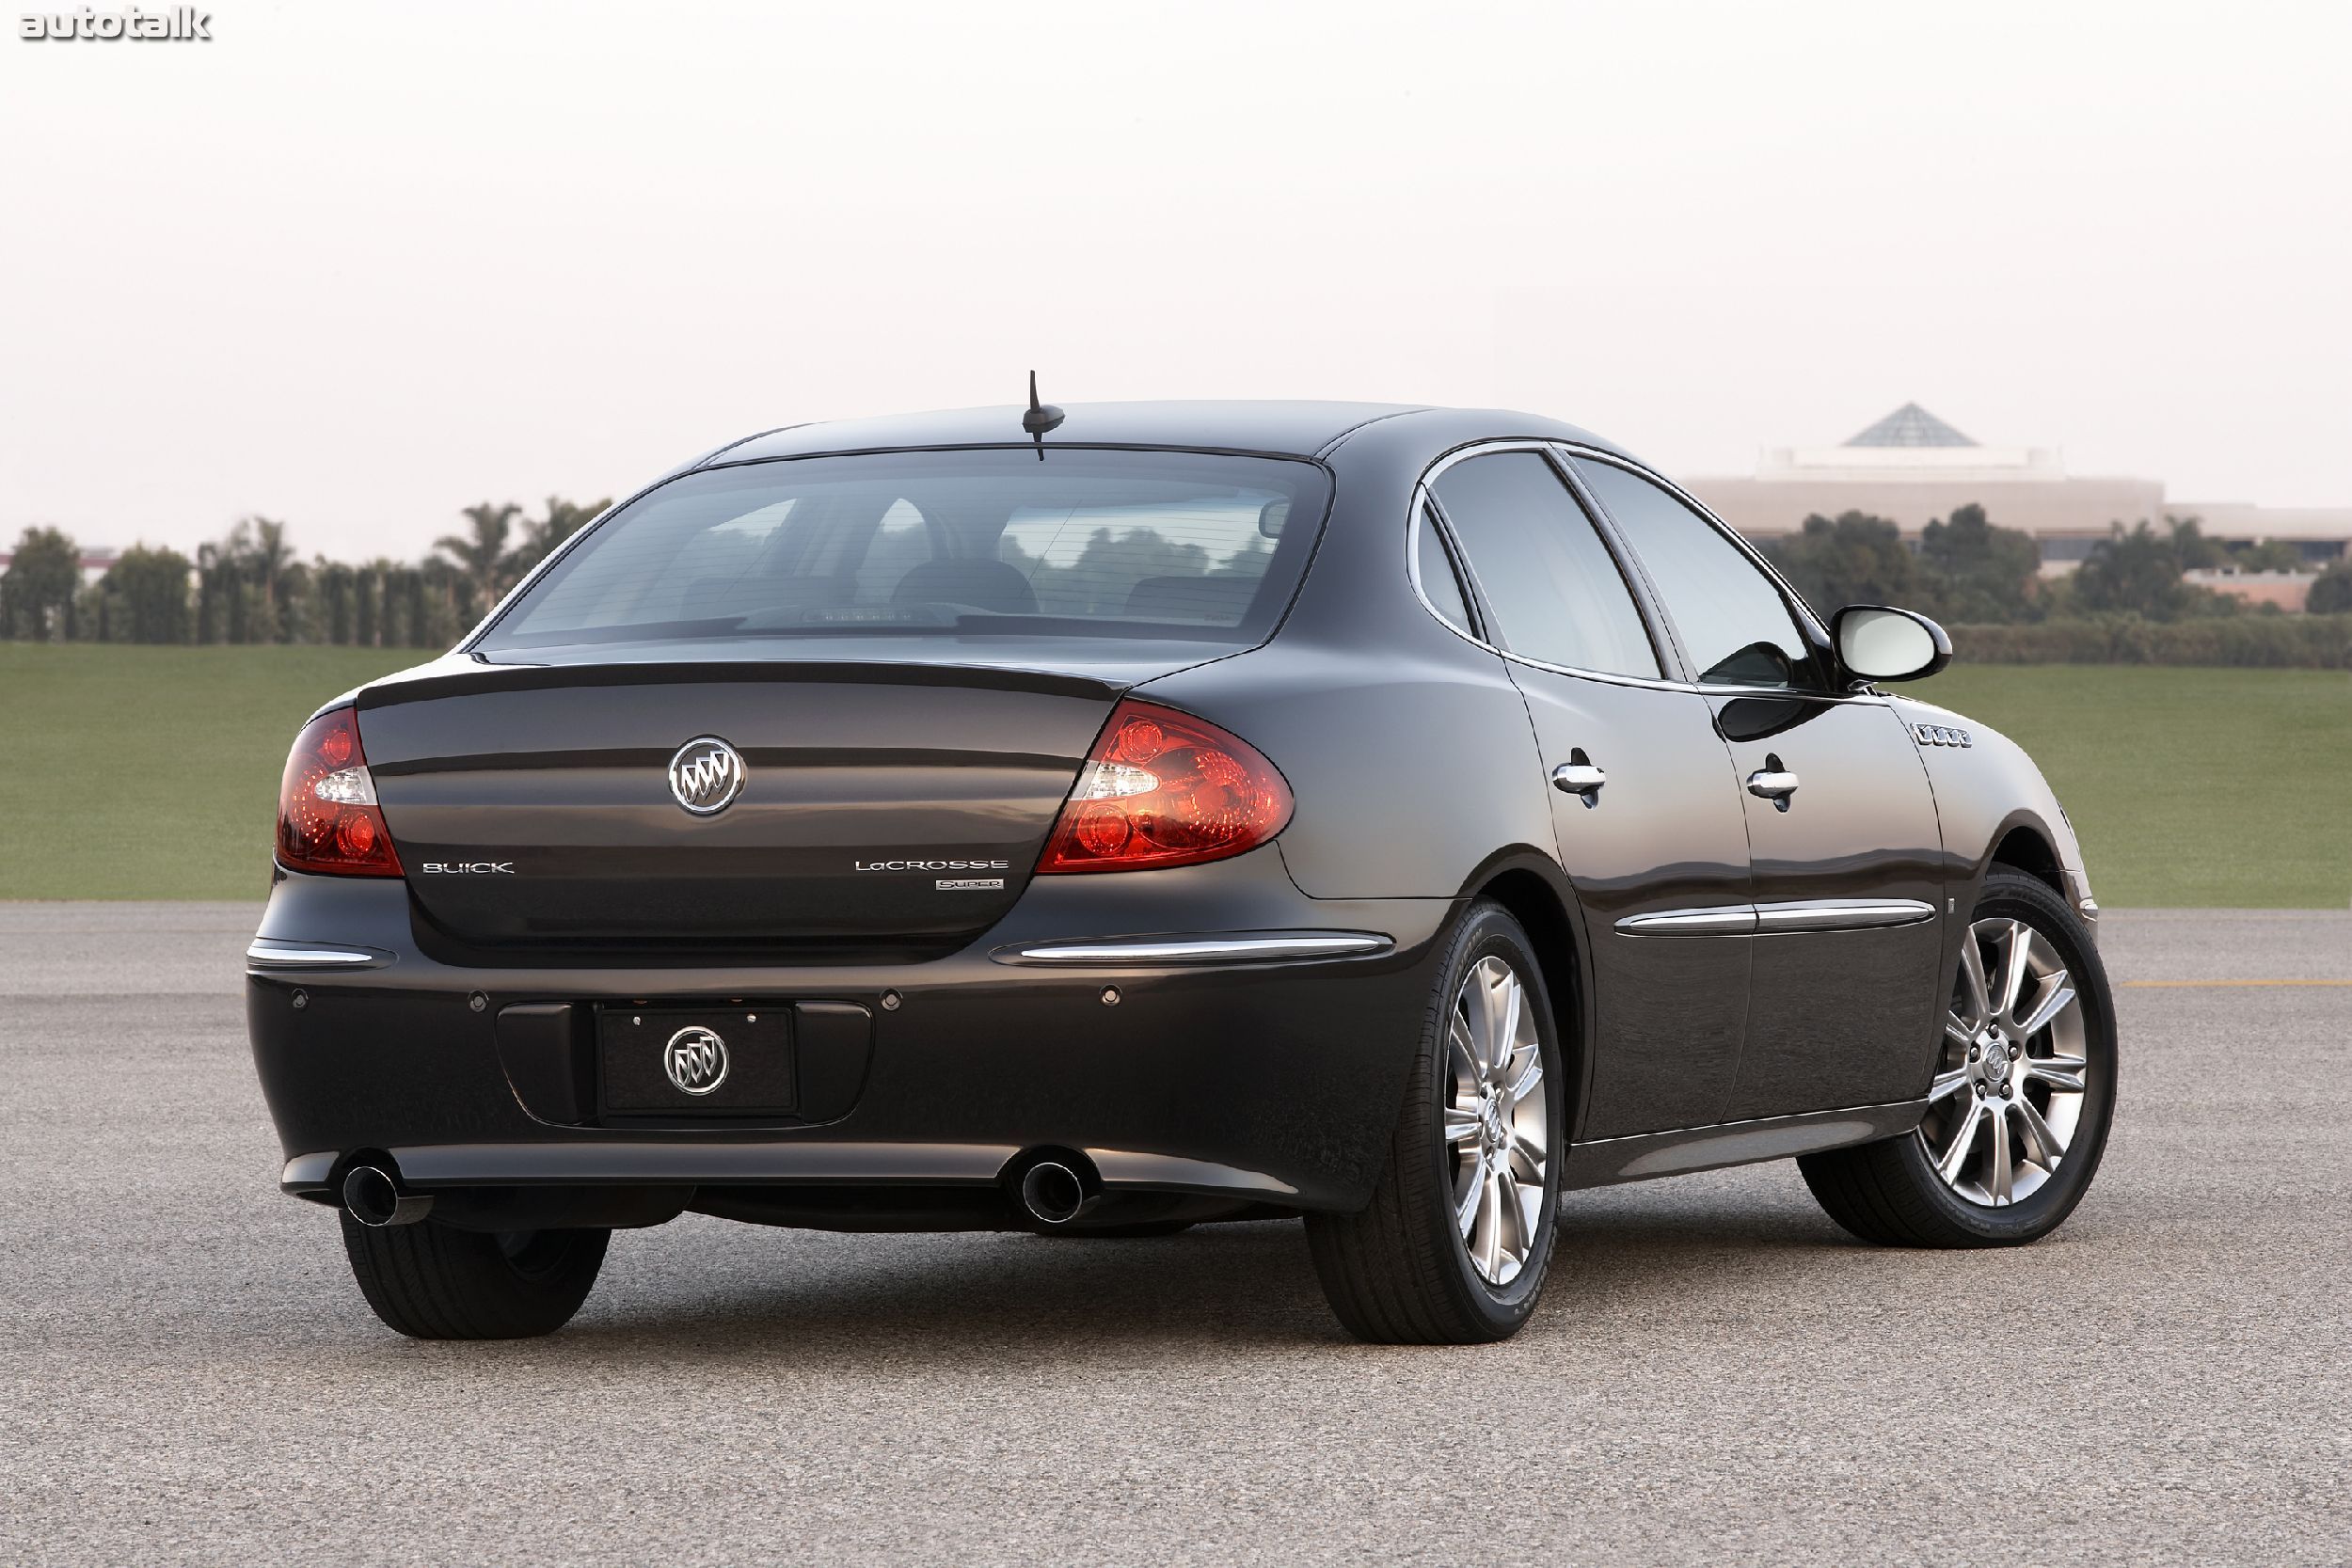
891 805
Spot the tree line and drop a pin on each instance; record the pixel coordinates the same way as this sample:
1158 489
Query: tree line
250 586
1969 571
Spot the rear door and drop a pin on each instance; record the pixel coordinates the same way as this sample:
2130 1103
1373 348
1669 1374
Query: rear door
1844 850
1643 806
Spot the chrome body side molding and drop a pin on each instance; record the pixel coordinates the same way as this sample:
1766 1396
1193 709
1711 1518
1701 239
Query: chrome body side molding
1841 914
1730 920
1810 914
1219 949
1605 1161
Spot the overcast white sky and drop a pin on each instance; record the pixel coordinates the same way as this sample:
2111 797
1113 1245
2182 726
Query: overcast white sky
357 264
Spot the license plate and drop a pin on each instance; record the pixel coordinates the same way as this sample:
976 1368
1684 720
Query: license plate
690 1061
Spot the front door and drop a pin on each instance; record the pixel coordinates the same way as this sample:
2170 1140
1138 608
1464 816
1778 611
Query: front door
1645 807
1845 996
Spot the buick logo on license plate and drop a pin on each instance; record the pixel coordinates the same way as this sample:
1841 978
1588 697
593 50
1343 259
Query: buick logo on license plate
695 1059
707 775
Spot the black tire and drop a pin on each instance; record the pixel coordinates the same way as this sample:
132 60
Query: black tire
1399 1271
435 1282
1889 1192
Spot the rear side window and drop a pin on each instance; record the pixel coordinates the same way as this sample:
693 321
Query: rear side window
1086 543
1733 621
1555 590
1437 582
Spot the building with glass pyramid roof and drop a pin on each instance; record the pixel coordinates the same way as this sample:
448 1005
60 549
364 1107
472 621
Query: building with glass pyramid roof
1912 467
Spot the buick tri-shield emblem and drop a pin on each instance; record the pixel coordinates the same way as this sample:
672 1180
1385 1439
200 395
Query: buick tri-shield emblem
695 1059
707 775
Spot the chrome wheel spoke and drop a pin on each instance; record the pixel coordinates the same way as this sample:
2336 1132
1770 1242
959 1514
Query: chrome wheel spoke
1508 1212
1998 1167
2064 1074
1529 1077
1492 1040
1964 1137
1949 1084
1489 1240
1507 1042
1972 980
2017 958
1473 1192
2057 996
1463 1050
1959 1031
2044 1147
1461 1125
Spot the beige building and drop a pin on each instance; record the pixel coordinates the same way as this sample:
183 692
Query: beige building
1911 468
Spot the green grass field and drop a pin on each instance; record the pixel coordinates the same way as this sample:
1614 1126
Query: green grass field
129 772
153 772
2213 788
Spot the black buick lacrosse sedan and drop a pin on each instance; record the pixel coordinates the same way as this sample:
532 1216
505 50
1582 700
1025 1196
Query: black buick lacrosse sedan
1171 813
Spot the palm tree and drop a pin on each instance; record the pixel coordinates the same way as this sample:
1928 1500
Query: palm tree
266 556
483 556
542 534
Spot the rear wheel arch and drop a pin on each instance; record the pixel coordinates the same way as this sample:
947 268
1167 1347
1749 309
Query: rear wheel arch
1543 911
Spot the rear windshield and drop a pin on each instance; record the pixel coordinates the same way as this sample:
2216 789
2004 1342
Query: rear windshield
1085 544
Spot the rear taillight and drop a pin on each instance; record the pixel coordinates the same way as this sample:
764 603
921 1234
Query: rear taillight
327 818
1165 789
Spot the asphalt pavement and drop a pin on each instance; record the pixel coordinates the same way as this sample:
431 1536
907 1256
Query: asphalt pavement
1716 1375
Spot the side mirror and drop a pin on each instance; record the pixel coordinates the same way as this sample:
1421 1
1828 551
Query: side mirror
1881 643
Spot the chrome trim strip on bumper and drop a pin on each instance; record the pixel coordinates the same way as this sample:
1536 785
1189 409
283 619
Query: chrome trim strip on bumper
1809 914
270 952
787 1159
1234 947
1841 914
1732 920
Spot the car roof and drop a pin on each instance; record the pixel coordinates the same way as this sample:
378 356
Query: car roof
1300 428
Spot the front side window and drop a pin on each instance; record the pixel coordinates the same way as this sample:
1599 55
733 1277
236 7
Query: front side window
1733 621
1086 544
1556 593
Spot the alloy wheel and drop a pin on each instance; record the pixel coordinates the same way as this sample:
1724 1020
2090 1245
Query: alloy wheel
2007 1094
1497 1127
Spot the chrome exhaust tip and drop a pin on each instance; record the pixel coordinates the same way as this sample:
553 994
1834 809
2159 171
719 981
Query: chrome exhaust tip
372 1197
1053 1192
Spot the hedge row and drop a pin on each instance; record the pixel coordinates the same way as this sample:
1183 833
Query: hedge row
2276 641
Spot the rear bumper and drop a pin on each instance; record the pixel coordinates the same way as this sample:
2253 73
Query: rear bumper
795 1162
1248 1071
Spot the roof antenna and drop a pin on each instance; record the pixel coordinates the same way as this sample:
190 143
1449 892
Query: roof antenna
1041 417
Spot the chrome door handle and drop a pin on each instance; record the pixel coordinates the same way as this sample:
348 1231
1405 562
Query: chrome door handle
1581 779
1772 783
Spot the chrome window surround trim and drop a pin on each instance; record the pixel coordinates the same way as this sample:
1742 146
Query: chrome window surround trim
1795 600
1236 947
272 953
1810 914
1421 496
